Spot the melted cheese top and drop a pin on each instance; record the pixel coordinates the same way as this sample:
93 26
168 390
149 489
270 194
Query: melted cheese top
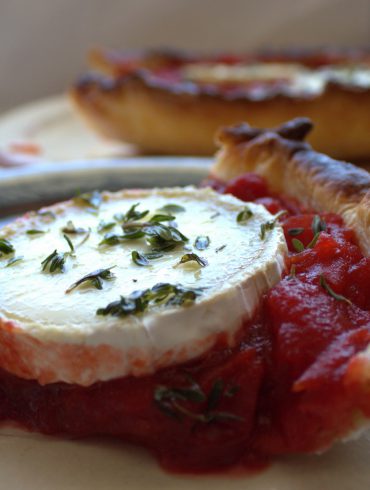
298 77
241 266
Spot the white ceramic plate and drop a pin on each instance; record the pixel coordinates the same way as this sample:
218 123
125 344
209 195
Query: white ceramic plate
40 463
52 126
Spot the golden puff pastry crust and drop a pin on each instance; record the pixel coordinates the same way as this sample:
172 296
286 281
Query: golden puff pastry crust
171 102
293 169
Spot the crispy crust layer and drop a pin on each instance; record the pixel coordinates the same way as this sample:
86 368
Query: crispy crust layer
293 169
180 117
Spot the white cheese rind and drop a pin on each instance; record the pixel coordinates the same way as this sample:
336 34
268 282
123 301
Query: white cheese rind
44 316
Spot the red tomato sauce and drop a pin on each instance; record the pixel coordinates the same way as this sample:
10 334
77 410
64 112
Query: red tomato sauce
290 384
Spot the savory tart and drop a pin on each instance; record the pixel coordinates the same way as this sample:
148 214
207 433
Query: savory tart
212 326
169 102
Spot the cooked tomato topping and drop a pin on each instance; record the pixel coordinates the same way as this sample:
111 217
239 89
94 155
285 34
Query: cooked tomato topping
291 384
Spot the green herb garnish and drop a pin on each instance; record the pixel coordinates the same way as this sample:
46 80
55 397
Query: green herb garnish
139 259
72 230
143 259
131 215
35 232
94 279
55 262
6 247
89 199
270 225
318 225
314 240
13 261
218 249
160 294
171 402
106 226
298 245
202 242
244 216
172 208
193 257
295 231
332 293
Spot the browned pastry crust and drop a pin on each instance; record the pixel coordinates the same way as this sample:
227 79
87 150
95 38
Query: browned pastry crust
126 102
293 169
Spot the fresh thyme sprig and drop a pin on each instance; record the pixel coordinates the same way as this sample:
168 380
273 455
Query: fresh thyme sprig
219 249
244 216
71 229
89 199
172 208
106 226
295 231
298 245
270 225
171 402
6 247
139 259
94 279
131 215
145 258
318 224
160 294
193 257
35 231
333 294
14 260
55 262
159 236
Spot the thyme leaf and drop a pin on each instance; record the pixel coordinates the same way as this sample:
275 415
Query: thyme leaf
160 294
202 242
314 240
318 225
172 208
95 279
14 260
270 225
70 244
218 249
89 199
244 216
72 230
34 231
295 231
193 257
143 259
6 247
131 215
298 245
55 262
328 289
171 402
157 218
103 226
139 259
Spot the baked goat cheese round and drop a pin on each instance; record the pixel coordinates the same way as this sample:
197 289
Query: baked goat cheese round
115 284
